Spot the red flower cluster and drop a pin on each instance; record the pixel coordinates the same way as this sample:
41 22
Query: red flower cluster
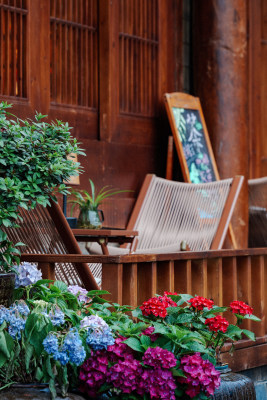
199 303
217 323
171 294
157 306
239 307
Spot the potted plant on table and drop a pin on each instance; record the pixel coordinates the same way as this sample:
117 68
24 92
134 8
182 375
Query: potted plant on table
33 166
90 216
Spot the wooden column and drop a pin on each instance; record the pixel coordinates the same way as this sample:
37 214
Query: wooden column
220 81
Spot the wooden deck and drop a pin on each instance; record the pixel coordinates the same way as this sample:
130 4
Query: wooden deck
223 275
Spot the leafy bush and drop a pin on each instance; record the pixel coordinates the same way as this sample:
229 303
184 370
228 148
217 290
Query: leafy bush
35 160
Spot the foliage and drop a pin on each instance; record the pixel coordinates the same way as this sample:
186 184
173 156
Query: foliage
91 201
167 351
34 163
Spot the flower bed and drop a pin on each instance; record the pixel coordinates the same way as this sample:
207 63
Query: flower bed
73 340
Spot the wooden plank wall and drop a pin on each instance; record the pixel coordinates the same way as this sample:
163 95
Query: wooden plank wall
103 67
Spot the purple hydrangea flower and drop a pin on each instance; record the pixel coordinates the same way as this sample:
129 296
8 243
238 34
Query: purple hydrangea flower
27 274
80 292
159 358
127 376
93 373
149 332
159 383
200 375
93 322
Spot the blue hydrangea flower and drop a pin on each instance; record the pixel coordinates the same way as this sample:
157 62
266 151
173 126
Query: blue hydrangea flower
73 345
62 357
50 344
57 317
27 274
17 324
4 314
23 309
100 339
77 357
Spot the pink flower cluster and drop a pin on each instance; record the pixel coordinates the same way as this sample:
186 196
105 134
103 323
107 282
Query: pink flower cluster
157 306
160 383
217 323
127 374
149 332
159 358
200 375
199 303
239 307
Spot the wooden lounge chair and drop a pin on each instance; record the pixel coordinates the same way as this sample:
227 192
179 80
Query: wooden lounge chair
46 231
257 189
168 213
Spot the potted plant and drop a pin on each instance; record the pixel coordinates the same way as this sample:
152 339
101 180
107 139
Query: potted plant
34 163
90 216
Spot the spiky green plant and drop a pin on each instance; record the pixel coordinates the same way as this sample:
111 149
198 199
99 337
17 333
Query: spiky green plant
91 201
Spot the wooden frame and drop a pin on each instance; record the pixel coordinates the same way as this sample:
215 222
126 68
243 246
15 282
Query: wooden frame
188 102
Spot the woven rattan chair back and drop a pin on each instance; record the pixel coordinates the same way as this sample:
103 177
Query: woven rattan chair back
46 231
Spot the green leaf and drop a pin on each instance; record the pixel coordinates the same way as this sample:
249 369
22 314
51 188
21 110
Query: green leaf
145 341
38 374
29 349
177 372
92 293
252 318
134 343
3 345
249 334
61 286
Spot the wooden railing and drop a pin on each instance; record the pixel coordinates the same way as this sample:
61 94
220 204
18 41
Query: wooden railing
223 275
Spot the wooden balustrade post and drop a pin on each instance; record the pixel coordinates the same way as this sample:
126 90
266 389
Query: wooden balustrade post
215 285
112 281
229 270
165 275
130 282
200 277
183 276
48 270
258 289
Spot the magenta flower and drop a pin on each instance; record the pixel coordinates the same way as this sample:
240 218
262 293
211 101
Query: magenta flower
149 332
159 383
159 358
126 376
93 373
200 375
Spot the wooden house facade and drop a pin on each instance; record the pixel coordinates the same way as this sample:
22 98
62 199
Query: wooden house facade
103 66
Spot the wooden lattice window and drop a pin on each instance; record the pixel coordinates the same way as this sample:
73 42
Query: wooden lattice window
138 40
74 52
13 16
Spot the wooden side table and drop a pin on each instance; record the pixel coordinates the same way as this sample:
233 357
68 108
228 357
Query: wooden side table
105 236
